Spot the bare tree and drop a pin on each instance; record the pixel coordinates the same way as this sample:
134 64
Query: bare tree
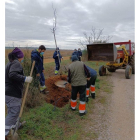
54 25
94 37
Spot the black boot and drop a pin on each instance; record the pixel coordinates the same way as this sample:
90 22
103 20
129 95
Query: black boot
81 114
93 95
72 109
87 99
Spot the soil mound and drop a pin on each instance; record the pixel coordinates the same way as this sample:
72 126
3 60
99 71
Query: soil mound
57 96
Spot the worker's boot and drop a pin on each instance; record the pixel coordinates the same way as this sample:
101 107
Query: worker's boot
42 88
87 99
93 95
73 109
81 114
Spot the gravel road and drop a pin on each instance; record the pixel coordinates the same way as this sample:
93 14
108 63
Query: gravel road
122 107
114 120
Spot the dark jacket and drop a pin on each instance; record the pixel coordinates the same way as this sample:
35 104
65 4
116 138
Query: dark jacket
14 79
79 53
75 53
92 71
56 57
35 55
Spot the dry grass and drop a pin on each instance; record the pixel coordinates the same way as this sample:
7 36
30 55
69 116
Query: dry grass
47 54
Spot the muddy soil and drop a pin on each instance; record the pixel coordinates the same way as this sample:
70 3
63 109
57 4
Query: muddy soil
57 96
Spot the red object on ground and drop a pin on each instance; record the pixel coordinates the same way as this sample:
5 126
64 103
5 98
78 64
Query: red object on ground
56 92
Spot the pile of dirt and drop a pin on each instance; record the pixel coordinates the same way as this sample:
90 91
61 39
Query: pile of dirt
57 96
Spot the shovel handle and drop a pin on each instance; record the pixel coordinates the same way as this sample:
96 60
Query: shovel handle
26 91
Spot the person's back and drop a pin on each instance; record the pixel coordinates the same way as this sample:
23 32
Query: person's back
92 71
13 82
78 76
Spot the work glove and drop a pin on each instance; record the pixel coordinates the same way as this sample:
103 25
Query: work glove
28 79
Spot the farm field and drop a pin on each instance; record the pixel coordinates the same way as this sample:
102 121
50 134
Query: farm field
48 53
49 60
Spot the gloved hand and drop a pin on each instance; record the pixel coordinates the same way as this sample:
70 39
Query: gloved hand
28 79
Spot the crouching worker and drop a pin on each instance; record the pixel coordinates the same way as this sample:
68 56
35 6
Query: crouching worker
91 83
38 73
77 76
14 80
57 56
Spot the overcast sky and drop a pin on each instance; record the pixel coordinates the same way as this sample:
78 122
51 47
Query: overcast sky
28 22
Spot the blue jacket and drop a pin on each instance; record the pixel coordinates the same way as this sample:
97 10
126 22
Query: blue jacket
35 55
79 53
75 53
92 71
56 57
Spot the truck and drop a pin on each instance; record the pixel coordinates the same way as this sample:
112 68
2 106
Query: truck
119 55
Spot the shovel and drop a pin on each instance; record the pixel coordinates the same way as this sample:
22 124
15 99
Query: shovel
61 83
14 131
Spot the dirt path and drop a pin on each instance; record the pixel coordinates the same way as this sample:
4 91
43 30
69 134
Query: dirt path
122 107
113 119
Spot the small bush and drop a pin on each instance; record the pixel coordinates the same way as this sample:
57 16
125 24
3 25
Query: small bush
34 98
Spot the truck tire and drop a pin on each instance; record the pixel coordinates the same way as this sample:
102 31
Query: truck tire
128 72
133 64
102 70
111 69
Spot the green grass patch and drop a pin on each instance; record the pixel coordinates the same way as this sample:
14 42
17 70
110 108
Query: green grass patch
43 122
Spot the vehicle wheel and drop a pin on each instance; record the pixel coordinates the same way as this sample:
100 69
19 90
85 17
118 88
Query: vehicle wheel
132 63
128 72
102 70
111 69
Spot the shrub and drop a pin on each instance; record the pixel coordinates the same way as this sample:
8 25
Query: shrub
34 98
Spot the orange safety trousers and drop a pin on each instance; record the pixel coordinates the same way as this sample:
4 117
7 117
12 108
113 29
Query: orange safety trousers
92 88
82 107
87 92
73 104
